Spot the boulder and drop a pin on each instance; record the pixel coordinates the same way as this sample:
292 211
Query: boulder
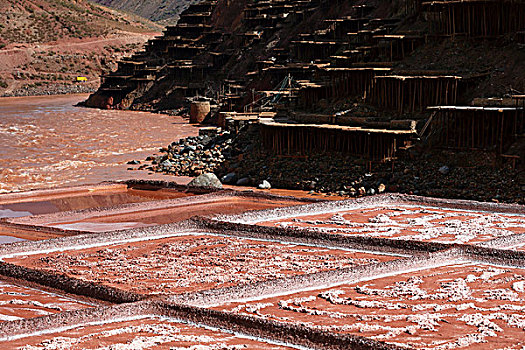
209 180
243 182
229 178
166 164
444 170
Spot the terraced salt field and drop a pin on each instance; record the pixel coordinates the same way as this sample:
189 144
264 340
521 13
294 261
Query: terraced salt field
268 272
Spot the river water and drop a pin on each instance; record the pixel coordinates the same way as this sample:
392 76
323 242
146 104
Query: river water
47 142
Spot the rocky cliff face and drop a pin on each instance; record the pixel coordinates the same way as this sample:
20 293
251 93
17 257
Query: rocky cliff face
161 11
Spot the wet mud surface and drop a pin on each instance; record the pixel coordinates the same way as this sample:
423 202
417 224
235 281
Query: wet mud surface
181 206
19 234
80 198
26 206
9 239
18 302
145 217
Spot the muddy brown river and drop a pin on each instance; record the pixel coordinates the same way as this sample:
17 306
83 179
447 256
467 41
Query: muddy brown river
47 142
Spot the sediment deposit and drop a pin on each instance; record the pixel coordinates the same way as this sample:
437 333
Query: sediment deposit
142 333
415 223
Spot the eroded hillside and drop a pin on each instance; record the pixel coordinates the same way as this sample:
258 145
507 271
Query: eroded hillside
241 46
45 45
376 81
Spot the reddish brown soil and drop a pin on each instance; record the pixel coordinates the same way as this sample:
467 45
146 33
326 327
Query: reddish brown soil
409 222
192 263
86 197
458 306
170 214
52 67
22 302
46 44
148 333
29 235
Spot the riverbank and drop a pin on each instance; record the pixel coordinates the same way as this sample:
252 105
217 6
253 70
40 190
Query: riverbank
49 89
48 143
240 159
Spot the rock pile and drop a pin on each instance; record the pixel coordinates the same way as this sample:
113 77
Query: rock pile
193 156
240 160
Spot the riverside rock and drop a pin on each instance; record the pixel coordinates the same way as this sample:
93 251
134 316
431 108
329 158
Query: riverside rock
166 164
243 182
208 180
265 185
229 178
444 170
224 155
188 149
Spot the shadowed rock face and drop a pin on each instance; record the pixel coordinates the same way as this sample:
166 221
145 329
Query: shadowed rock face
164 11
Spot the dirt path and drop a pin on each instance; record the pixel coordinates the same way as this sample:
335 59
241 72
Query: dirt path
14 54
33 69
68 44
